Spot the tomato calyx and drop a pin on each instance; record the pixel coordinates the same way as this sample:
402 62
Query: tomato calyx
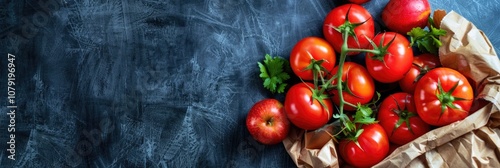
364 115
423 70
319 95
347 28
379 51
404 117
446 98
317 70
351 129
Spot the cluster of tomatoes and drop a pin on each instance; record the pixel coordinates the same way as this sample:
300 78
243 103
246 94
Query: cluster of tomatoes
332 88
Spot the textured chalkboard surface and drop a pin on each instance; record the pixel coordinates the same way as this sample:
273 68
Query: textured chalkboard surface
152 83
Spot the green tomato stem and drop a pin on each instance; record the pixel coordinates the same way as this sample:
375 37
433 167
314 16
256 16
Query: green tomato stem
374 52
343 55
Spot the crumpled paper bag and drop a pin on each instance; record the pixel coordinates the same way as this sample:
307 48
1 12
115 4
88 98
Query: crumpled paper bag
472 142
312 149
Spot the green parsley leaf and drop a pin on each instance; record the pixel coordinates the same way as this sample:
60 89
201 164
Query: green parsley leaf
426 40
273 73
363 115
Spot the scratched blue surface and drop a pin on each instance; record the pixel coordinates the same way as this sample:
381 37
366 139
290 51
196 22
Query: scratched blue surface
126 83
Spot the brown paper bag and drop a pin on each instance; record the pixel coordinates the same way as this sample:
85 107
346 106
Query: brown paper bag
312 149
472 142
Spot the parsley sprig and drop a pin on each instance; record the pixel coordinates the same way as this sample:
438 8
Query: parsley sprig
427 40
273 72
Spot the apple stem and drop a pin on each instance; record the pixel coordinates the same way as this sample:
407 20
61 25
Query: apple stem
269 122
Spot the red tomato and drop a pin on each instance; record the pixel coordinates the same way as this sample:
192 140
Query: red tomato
359 2
356 79
403 15
393 61
398 116
357 14
303 110
443 96
421 65
373 147
311 49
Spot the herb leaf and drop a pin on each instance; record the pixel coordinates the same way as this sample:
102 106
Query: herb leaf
272 72
426 40
363 115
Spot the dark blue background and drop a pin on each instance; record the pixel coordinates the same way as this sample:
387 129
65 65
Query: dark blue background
126 83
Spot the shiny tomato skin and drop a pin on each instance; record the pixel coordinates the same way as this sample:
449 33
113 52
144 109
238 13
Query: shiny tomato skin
421 64
374 143
429 106
357 14
399 106
396 61
359 82
303 111
311 48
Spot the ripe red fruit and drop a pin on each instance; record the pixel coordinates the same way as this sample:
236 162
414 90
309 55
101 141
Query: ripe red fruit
421 65
267 122
359 2
403 15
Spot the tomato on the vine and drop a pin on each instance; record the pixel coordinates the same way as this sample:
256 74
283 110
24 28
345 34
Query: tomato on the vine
398 116
393 60
421 65
306 107
312 54
360 24
443 96
358 85
371 147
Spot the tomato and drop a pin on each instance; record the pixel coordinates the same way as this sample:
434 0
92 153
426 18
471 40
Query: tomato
403 15
304 109
443 96
421 65
359 2
398 116
308 50
394 60
356 14
373 147
358 85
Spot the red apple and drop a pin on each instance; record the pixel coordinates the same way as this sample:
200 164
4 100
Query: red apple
403 15
359 2
267 122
